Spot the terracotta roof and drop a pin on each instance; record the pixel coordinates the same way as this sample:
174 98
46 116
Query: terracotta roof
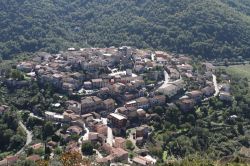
109 101
159 97
72 147
37 146
11 159
3 162
119 152
142 100
34 158
106 147
120 140
140 160
92 136
2 109
141 112
187 101
122 109
195 93
75 129
103 160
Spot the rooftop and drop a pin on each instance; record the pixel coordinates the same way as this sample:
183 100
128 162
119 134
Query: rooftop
117 116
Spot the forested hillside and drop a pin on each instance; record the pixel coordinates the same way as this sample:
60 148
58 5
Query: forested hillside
12 137
211 28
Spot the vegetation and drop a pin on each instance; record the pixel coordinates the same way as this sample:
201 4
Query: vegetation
48 129
66 159
211 28
129 145
213 130
239 70
25 163
195 160
12 138
87 148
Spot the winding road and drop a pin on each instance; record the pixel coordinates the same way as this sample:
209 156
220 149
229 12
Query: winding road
29 136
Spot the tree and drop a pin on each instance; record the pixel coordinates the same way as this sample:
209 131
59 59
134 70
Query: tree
29 151
240 128
25 163
16 142
73 159
74 137
156 151
159 110
191 118
16 74
11 138
48 129
129 145
58 151
47 152
87 148
42 163
161 29
25 116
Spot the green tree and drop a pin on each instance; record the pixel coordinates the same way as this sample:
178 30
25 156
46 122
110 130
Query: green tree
58 151
159 110
25 116
25 163
48 129
16 142
240 128
17 75
87 148
129 145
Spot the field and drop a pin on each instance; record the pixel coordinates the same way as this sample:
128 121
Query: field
240 70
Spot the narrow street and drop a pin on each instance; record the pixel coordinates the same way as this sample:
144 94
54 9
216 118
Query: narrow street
153 57
165 83
29 136
35 116
110 136
83 138
215 86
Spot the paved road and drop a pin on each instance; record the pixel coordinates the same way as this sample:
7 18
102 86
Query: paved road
99 155
86 135
28 137
83 138
153 57
35 116
215 85
110 137
165 83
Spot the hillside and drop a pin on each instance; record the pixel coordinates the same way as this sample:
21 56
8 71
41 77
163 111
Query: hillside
211 28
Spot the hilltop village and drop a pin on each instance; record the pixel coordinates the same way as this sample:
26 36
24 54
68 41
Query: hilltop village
112 94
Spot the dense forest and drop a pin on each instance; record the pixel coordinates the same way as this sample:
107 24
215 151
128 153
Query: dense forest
210 28
12 137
